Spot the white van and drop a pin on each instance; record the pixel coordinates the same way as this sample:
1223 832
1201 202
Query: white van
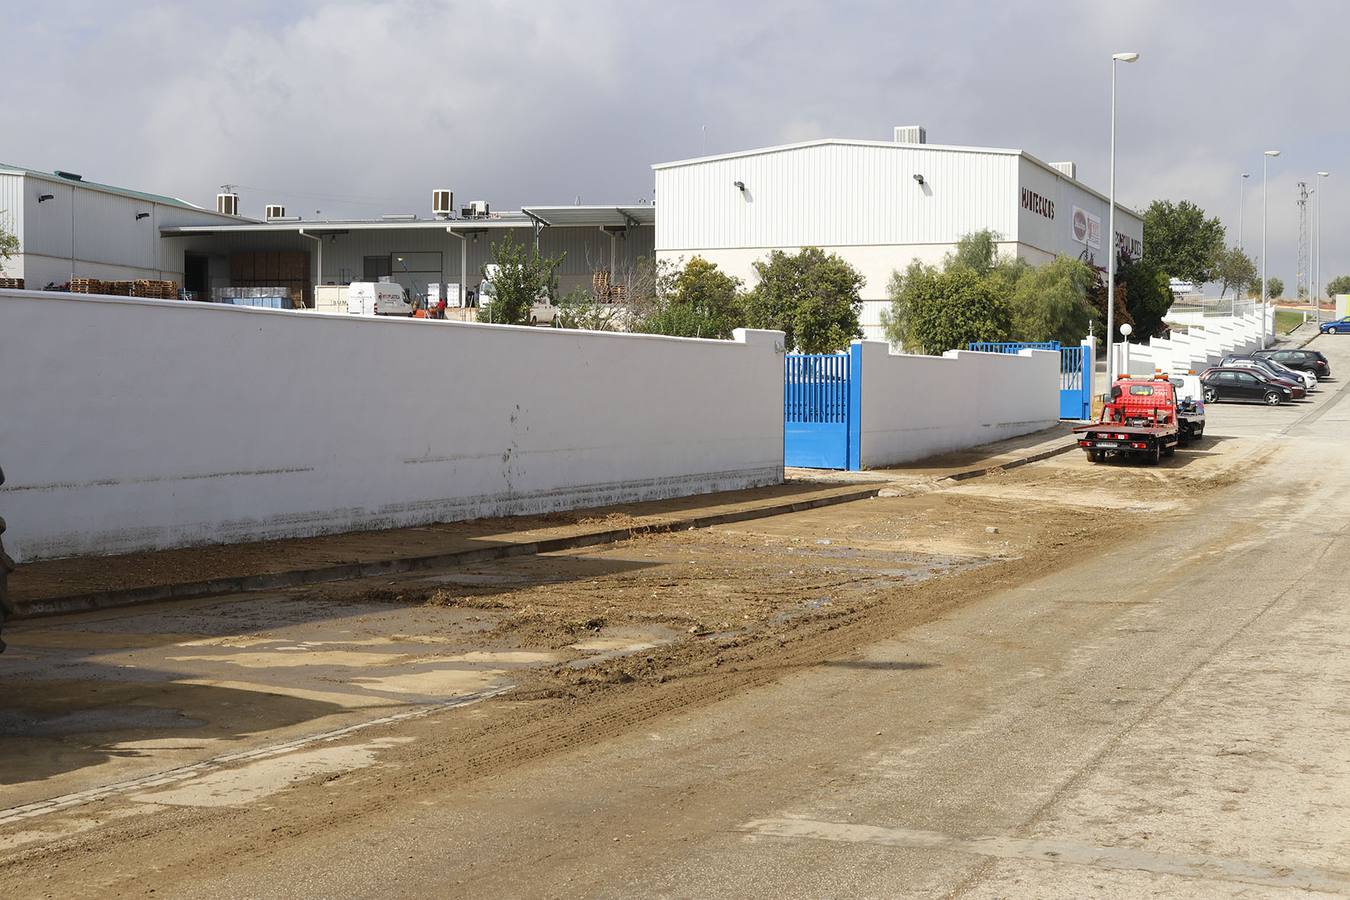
378 298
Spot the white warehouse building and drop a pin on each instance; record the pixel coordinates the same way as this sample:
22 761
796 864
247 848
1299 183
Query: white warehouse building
879 205
71 228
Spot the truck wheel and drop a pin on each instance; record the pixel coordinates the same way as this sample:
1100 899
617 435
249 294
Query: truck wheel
1273 398
1153 457
1170 451
1094 456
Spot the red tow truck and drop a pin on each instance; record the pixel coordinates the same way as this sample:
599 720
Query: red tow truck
1140 419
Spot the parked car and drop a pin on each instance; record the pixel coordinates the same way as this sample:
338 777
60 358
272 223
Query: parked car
1314 361
1277 370
1239 383
1336 326
1190 406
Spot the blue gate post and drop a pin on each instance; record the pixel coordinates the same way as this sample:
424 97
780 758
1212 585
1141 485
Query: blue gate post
855 377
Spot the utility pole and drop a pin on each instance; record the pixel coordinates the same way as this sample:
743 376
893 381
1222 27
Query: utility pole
1302 277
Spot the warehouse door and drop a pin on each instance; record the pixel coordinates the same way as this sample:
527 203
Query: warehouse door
816 410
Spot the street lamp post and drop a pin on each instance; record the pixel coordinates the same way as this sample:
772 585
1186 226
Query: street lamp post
1111 232
1242 219
1242 210
1317 255
1265 311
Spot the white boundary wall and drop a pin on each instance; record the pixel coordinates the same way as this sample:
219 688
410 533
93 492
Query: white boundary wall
918 406
140 424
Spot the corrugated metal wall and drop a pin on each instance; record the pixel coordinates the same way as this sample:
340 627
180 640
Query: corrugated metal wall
11 204
836 194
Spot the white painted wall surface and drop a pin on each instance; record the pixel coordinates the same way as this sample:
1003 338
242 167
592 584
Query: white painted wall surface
835 193
918 406
146 424
875 263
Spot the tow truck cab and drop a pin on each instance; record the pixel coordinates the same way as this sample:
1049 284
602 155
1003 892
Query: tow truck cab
1139 419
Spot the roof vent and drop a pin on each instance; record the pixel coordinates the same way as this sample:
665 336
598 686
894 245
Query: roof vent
911 134
1067 168
274 211
68 175
442 203
477 209
227 204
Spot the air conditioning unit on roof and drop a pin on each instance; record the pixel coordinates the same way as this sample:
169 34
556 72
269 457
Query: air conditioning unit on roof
442 203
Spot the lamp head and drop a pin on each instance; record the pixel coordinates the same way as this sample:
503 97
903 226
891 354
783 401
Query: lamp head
1127 329
1323 174
1124 57
1272 153
1246 175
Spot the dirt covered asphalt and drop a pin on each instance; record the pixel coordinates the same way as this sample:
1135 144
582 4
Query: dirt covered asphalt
1062 680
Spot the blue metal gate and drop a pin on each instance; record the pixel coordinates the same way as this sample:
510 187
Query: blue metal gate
820 391
1075 372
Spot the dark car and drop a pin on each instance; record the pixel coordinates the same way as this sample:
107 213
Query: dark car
1313 361
1278 371
1246 384
1336 326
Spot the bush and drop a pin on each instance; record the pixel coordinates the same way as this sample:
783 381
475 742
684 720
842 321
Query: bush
811 296
699 300
523 278
1050 303
948 310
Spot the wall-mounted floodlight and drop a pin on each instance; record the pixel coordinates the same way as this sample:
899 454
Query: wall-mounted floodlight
43 198
919 179
140 216
740 186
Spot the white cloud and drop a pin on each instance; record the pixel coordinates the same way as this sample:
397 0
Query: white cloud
543 101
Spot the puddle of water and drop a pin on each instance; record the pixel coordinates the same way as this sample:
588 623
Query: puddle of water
252 782
27 723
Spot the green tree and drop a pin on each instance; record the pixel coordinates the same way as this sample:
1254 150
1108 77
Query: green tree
947 310
976 252
700 301
1338 285
902 289
1050 303
1274 288
1180 241
1234 269
581 309
1147 294
811 296
523 277
9 243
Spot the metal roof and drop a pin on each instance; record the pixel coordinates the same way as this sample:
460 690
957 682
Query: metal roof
559 216
94 185
600 216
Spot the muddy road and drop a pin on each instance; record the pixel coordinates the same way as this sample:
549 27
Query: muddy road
921 693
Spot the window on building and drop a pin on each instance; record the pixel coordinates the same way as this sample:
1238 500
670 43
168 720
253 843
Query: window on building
376 267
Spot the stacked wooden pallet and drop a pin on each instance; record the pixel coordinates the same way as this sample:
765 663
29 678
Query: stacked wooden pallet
155 290
12 283
87 286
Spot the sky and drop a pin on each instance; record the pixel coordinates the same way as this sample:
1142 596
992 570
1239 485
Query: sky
358 107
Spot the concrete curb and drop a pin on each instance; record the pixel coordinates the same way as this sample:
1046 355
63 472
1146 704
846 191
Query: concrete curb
55 606
1012 464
